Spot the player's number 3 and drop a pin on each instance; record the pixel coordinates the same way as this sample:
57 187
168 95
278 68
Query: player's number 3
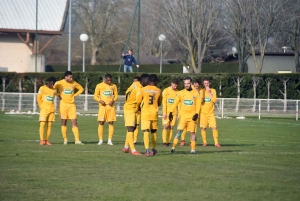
151 99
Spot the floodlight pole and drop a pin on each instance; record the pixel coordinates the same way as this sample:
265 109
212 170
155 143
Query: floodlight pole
36 35
139 33
70 37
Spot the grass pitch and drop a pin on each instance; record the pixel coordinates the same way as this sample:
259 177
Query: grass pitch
259 160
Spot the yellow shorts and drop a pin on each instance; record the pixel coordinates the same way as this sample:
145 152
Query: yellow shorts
189 124
130 118
167 121
67 110
47 115
107 113
149 125
207 120
138 117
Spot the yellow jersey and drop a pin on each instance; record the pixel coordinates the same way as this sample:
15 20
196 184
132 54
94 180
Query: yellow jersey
189 103
131 96
168 99
149 98
66 90
45 98
208 102
106 92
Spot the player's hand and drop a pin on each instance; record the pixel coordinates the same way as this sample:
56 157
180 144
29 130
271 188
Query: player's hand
111 103
123 55
195 117
207 89
164 116
137 66
170 116
102 102
59 97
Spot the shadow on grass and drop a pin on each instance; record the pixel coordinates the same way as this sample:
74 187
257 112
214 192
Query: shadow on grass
198 152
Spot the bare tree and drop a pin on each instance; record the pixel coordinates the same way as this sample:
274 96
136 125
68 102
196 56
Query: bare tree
284 82
34 81
255 81
20 94
193 24
4 87
268 81
238 81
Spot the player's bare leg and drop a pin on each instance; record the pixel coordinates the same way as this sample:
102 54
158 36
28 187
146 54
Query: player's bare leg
76 131
193 142
175 141
203 135
64 130
100 132
216 136
153 135
110 132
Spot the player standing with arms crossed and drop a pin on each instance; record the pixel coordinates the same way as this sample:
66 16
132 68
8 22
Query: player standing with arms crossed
149 99
106 94
45 100
190 103
207 114
169 94
67 108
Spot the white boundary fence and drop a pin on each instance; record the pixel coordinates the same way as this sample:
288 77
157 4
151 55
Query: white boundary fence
24 102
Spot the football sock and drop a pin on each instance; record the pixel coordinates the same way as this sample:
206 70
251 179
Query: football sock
146 140
64 132
203 134
49 124
42 126
129 137
175 142
165 135
153 140
193 145
136 133
110 131
100 132
183 135
215 135
126 145
170 136
76 133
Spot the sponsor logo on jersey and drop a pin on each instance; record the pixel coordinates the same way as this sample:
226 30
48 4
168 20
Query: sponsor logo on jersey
49 98
207 100
188 102
68 91
107 93
171 100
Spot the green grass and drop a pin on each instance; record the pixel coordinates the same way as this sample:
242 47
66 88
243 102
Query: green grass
259 160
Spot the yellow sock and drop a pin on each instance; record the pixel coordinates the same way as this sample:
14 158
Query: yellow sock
48 130
175 142
76 133
193 145
183 134
42 126
129 137
100 132
216 136
165 135
126 140
153 140
110 131
64 132
203 134
135 134
170 136
146 140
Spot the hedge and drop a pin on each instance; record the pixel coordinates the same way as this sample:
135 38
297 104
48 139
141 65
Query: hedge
229 89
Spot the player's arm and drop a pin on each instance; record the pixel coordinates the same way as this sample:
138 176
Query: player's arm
57 86
198 105
176 102
116 95
40 97
139 99
96 94
79 88
164 103
213 96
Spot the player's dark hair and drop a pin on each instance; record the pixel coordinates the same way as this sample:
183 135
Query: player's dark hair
143 76
67 73
153 78
198 81
175 81
130 50
188 78
108 76
137 78
51 79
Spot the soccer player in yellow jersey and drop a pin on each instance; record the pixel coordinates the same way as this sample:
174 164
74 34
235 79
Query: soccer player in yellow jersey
137 114
149 99
169 95
207 116
106 94
189 101
196 86
67 108
130 115
45 100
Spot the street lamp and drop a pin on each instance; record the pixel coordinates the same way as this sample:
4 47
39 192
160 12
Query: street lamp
161 38
83 38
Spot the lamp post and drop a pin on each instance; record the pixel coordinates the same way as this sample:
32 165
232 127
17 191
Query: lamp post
161 38
83 38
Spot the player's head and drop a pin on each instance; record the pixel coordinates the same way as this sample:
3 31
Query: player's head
68 76
187 83
153 79
51 81
197 84
137 79
130 51
174 83
107 78
144 79
206 82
